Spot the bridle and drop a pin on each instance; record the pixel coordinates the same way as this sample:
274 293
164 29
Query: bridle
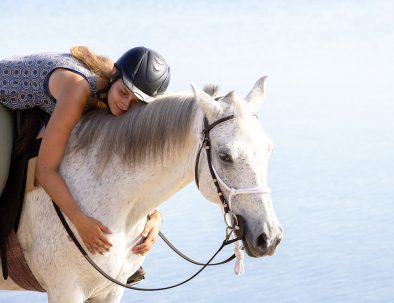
230 218
234 223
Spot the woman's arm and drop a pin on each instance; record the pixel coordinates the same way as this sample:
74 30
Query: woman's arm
72 93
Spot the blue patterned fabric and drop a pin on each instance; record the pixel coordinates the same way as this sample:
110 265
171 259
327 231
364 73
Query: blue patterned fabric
24 80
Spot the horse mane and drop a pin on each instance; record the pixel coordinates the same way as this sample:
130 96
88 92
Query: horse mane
148 132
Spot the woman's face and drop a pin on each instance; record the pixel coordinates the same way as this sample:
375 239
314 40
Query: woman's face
120 98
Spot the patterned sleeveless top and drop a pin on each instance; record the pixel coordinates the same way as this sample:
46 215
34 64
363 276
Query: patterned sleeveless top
24 80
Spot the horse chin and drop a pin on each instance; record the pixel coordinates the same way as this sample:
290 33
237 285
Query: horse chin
257 253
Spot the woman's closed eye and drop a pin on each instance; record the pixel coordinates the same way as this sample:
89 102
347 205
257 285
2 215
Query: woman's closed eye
124 93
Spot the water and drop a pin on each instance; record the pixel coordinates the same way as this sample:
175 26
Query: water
329 109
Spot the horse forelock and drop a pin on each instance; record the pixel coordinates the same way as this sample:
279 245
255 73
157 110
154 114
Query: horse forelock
211 89
148 132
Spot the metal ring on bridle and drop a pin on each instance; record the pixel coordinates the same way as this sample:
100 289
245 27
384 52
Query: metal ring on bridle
231 220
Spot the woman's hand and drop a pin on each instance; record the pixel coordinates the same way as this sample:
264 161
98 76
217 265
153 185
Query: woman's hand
151 230
92 234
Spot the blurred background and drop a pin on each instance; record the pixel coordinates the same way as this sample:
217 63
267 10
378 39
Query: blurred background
329 108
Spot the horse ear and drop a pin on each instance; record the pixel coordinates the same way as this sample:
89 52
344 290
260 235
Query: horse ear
210 107
255 96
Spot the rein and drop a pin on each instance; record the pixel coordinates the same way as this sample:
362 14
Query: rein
190 260
227 241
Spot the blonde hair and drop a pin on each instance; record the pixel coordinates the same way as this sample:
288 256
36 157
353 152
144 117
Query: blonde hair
100 65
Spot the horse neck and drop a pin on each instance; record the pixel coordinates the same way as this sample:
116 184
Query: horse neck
122 195
163 181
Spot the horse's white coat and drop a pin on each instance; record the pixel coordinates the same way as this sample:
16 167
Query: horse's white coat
121 201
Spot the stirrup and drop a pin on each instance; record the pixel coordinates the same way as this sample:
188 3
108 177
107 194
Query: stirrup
137 277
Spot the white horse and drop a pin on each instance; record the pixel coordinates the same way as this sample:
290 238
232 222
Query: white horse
120 169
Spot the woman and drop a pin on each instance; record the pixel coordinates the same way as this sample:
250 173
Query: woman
65 86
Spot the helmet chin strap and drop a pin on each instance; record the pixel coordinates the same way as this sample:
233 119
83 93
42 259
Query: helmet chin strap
102 94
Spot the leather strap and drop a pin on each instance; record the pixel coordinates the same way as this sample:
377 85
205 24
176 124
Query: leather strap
205 142
179 253
19 270
87 257
210 126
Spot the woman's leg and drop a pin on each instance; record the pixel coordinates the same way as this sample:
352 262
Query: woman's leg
6 140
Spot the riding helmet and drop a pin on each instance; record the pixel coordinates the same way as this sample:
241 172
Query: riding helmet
144 72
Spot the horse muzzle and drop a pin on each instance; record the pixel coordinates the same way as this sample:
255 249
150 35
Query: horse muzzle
264 244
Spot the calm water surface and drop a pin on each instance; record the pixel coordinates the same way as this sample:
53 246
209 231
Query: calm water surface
329 109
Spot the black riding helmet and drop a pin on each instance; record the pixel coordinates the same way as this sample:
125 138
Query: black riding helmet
144 72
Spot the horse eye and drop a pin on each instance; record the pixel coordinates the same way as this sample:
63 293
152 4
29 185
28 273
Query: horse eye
226 157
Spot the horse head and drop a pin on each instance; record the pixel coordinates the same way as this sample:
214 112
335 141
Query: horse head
240 150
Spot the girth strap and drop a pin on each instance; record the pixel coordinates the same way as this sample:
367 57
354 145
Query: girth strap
19 270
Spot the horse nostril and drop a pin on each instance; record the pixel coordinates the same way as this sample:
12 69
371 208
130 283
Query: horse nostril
262 241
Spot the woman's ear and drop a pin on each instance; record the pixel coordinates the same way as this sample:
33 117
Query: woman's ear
114 75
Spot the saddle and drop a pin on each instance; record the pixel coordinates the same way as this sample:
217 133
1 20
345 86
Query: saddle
21 179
